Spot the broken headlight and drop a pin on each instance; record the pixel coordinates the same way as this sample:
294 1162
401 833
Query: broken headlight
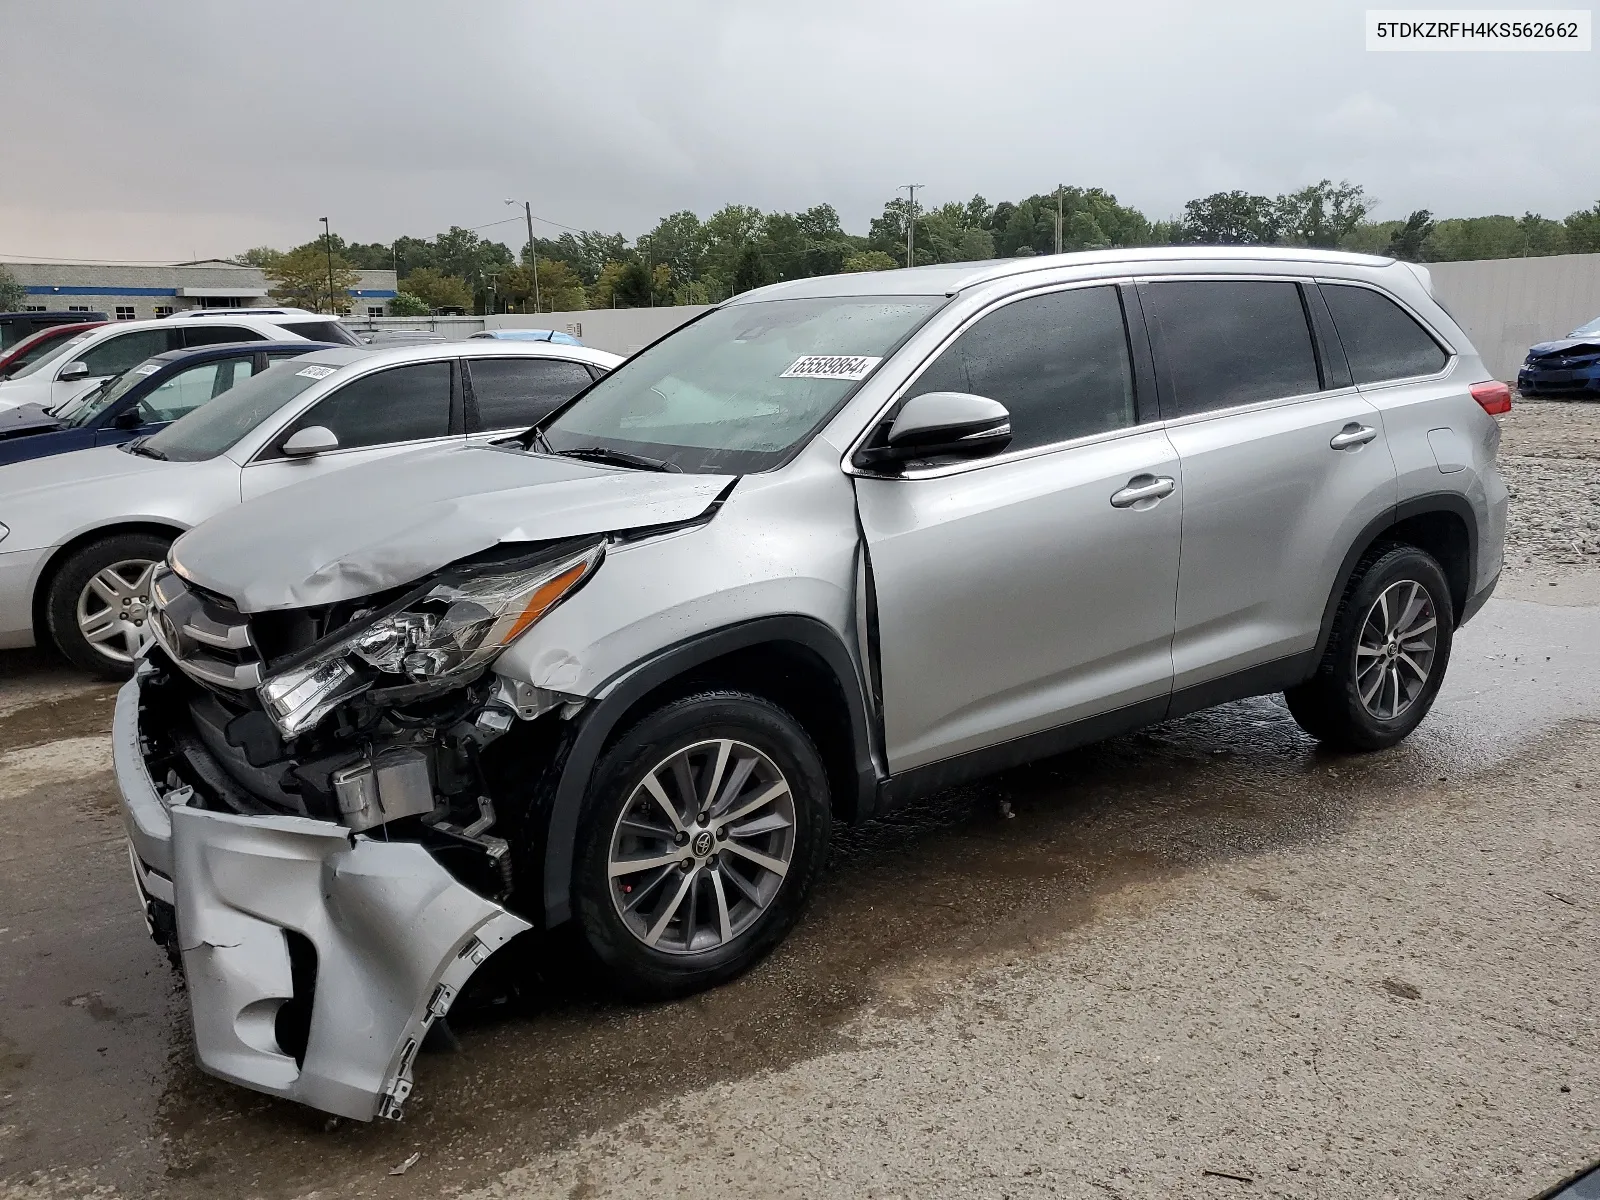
447 630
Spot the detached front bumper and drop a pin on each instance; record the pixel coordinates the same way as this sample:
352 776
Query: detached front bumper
392 938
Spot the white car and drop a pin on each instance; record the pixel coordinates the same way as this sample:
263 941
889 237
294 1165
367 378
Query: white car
81 533
82 362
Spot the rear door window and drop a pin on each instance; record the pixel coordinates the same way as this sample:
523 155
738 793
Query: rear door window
402 404
124 351
323 331
514 393
1058 362
1230 342
218 335
1380 338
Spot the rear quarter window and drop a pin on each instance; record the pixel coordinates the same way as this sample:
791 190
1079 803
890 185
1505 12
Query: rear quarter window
1381 340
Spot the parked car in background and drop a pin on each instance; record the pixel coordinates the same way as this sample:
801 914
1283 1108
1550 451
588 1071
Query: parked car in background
140 401
80 533
39 345
402 337
319 327
530 335
1568 368
81 362
15 327
836 544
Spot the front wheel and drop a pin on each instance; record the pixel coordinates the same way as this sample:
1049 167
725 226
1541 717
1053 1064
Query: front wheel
706 825
98 604
1386 657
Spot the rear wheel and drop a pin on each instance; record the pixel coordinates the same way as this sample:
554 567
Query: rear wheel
97 609
1386 657
706 826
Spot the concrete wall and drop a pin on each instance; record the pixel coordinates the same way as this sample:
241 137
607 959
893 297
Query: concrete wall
619 330
1505 305
1509 304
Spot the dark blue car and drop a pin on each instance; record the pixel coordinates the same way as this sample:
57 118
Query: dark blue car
139 401
1569 367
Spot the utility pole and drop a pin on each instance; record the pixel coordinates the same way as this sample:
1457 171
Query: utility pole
533 250
494 292
327 240
1058 219
911 221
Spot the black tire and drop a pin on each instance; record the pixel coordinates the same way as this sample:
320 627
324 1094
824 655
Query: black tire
647 972
69 584
1330 706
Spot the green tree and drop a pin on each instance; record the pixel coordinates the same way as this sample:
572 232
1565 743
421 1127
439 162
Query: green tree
438 290
1407 241
1320 214
1583 231
870 260
301 278
603 292
729 231
1230 219
633 286
752 270
679 241
405 304
256 256
12 294
560 287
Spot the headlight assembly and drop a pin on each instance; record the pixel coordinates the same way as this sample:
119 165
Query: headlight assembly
448 630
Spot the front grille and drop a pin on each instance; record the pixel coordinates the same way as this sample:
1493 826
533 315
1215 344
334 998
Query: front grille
207 639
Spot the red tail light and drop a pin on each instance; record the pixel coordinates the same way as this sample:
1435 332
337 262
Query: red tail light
1494 397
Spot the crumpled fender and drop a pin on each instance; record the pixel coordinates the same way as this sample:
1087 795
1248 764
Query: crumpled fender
396 937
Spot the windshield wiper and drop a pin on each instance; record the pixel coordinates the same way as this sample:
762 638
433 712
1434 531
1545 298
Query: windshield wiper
138 446
621 457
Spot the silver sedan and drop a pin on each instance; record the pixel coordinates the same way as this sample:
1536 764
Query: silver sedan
80 533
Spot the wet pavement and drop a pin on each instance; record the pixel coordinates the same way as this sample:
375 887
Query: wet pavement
1118 904
1208 959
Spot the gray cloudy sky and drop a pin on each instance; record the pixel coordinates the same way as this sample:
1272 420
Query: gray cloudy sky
177 129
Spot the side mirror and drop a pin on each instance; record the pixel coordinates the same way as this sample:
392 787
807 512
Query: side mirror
128 418
74 370
941 425
311 441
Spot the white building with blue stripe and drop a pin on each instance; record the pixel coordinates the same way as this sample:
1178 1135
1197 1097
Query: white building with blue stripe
129 292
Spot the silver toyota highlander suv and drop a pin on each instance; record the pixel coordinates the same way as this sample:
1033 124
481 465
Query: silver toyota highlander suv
834 545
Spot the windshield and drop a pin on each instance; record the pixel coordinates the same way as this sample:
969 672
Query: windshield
80 410
215 426
1589 330
52 353
739 389
30 355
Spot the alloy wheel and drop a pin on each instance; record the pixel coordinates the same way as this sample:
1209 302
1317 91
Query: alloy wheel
113 610
1395 649
701 848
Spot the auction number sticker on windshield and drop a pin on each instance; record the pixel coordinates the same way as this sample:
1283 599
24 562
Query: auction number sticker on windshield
315 372
147 369
831 366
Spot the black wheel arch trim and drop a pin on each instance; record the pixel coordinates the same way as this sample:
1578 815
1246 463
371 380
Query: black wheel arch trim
599 719
1449 502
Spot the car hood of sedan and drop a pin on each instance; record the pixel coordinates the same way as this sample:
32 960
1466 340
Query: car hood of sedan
26 419
365 529
1566 347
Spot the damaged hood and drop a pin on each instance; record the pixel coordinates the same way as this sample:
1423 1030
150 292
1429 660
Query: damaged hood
1566 347
365 529
25 419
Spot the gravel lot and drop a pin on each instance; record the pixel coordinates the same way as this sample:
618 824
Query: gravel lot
1207 960
1550 456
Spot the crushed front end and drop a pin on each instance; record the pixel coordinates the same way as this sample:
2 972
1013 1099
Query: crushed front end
311 822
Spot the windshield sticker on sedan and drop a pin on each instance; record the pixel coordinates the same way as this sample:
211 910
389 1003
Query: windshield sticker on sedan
147 369
831 366
315 372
